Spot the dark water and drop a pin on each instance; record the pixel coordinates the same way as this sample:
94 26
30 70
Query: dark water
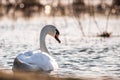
76 55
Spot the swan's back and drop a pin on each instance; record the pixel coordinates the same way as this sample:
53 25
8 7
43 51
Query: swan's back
35 61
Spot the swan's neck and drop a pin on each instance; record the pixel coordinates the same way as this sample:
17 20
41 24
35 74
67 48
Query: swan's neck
42 41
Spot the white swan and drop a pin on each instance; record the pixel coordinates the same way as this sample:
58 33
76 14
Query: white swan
38 60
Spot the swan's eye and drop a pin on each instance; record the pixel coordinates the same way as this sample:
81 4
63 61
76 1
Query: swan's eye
57 32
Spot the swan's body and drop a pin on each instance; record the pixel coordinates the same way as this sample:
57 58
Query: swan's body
35 61
38 60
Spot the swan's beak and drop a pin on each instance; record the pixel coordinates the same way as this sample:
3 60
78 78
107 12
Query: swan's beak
57 38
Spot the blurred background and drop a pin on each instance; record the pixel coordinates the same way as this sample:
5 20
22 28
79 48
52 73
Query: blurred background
31 8
75 9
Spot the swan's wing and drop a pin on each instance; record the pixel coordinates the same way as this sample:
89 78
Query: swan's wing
20 65
22 62
35 60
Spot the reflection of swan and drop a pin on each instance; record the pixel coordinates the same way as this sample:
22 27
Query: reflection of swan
38 60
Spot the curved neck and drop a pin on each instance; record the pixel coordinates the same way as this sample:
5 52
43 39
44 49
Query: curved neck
42 40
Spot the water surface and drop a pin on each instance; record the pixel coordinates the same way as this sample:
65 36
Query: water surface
76 55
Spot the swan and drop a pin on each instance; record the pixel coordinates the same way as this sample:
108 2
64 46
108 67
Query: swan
38 60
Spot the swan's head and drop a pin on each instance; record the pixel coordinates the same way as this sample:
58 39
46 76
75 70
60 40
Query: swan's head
53 31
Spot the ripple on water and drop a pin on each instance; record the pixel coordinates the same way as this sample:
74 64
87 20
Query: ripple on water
86 56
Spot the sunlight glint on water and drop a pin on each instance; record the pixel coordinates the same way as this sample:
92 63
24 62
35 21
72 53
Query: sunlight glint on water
76 55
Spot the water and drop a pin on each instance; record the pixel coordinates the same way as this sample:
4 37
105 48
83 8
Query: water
76 55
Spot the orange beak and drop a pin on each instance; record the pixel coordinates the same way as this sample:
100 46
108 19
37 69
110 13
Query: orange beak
57 38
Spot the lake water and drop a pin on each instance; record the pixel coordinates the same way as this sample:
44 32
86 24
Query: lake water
76 55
